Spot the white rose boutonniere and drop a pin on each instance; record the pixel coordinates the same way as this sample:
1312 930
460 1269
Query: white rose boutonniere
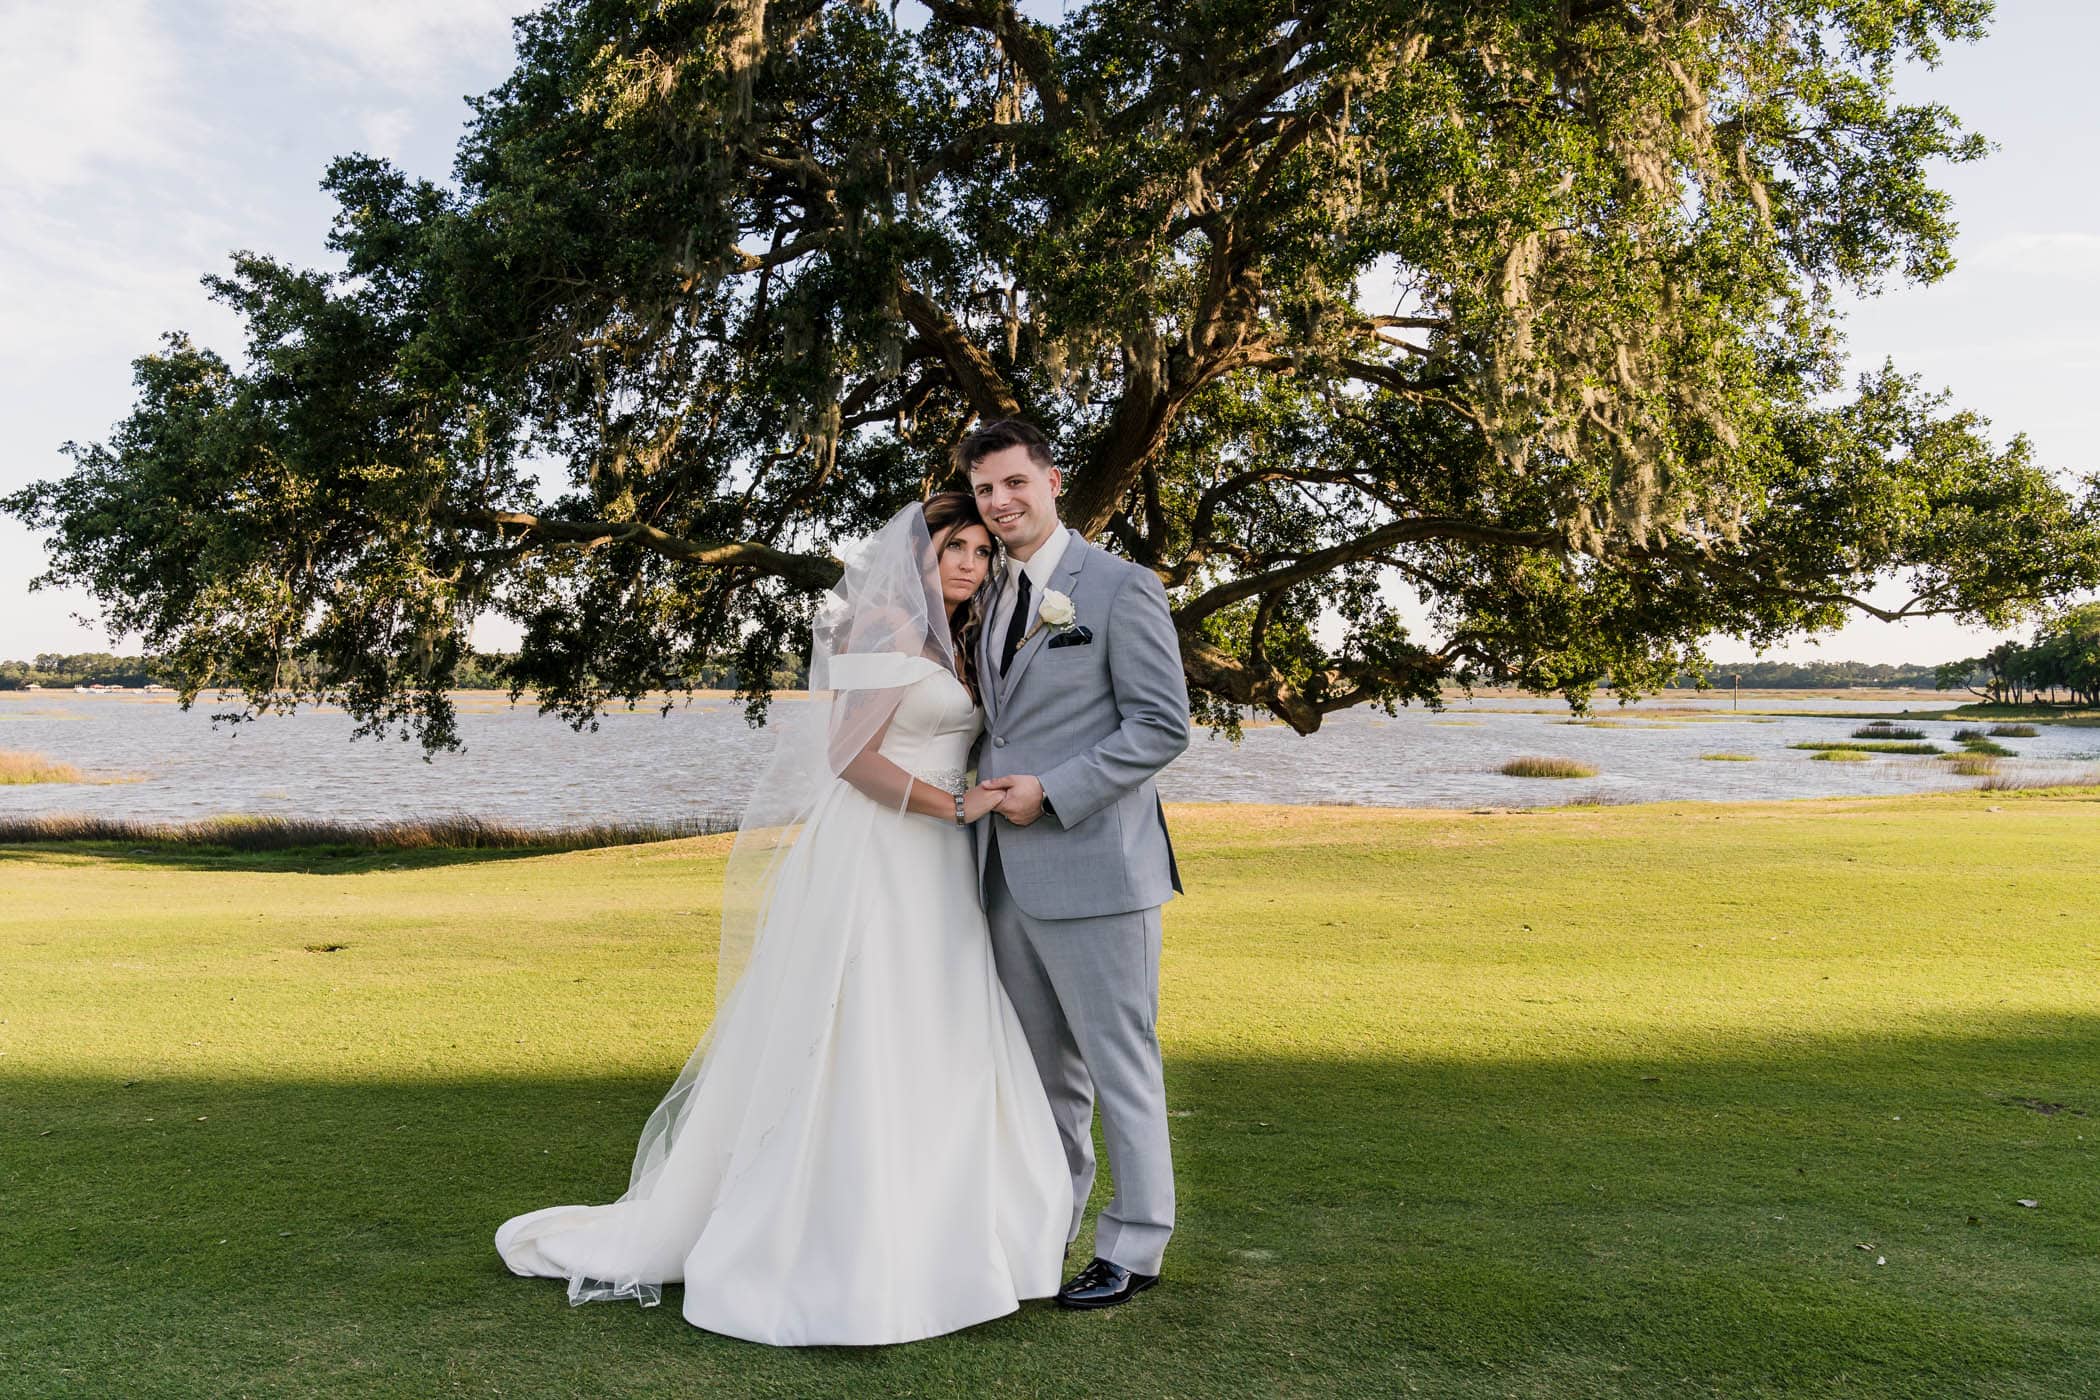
1054 612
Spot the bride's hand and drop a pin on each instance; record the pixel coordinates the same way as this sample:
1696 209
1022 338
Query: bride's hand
980 801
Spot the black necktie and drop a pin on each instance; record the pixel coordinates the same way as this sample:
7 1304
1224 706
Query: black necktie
1015 625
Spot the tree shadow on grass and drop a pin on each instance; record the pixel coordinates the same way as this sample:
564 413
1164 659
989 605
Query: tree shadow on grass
302 860
1812 1216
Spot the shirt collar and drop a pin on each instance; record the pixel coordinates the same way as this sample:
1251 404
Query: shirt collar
1043 563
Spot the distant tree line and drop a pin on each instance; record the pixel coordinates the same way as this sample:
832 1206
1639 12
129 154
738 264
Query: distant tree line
55 669
1815 675
2063 659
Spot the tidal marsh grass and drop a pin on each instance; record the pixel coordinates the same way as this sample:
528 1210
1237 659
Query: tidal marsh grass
1728 757
1971 765
1546 766
273 833
1597 797
2075 715
19 768
2014 731
1837 755
1882 729
1593 1102
1860 746
1989 748
2043 779
1963 736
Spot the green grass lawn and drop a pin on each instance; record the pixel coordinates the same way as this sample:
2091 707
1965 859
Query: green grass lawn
1593 1102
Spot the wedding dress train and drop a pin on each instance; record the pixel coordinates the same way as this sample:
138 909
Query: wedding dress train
867 1154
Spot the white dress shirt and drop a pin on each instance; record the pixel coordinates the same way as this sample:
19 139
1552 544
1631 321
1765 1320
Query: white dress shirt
1041 568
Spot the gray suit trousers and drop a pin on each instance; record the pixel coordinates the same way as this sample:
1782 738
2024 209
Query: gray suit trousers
1087 994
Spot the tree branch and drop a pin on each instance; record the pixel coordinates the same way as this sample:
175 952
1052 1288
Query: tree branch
1339 687
809 571
980 380
1312 565
778 254
1021 41
1388 378
1706 564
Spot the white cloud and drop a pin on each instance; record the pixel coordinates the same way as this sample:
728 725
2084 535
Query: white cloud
401 43
2067 254
384 132
84 90
74 293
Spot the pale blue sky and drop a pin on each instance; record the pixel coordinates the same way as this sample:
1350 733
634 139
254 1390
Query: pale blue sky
140 142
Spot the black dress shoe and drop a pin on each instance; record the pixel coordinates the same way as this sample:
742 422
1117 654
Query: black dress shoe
1103 1285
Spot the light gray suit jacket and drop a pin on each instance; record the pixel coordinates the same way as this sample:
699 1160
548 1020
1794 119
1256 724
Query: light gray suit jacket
1094 720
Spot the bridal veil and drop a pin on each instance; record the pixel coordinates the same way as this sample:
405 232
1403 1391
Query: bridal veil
881 627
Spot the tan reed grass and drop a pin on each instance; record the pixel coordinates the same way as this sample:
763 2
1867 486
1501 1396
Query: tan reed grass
1546 766
271 833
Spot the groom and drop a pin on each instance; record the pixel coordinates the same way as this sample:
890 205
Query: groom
1084 700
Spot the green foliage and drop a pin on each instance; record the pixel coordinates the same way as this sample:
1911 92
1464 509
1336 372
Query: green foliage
2065 655
732 278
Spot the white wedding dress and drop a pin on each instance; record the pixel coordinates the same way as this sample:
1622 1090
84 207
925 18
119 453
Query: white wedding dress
868 1155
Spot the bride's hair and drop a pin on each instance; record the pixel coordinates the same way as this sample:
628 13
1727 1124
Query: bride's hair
947 512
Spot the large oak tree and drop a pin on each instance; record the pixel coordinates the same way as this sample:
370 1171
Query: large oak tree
1525 307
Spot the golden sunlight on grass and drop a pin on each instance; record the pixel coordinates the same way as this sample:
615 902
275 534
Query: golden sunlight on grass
1545 766
18 768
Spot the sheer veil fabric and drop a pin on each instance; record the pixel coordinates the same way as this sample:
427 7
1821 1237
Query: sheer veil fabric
881 627
860 1151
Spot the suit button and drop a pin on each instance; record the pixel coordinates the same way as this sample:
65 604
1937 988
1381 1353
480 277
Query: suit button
998 742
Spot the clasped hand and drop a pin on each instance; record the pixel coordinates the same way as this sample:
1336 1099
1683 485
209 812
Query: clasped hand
1021 798
981 801
1018 799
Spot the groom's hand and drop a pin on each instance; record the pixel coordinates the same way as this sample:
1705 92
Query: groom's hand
1024 798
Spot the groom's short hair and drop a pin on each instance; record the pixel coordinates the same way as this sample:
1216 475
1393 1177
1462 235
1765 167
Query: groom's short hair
998 435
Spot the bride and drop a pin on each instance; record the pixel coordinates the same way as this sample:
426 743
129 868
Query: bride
860 1150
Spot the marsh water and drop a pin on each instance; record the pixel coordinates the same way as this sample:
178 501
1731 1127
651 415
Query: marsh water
699 760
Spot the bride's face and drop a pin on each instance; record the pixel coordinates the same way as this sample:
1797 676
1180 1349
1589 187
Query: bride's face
965 559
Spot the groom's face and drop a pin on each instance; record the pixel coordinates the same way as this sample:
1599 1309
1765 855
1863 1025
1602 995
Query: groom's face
1017 496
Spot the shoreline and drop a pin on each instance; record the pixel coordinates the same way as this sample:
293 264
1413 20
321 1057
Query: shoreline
251 833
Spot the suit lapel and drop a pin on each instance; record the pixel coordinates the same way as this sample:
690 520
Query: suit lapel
1061 582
